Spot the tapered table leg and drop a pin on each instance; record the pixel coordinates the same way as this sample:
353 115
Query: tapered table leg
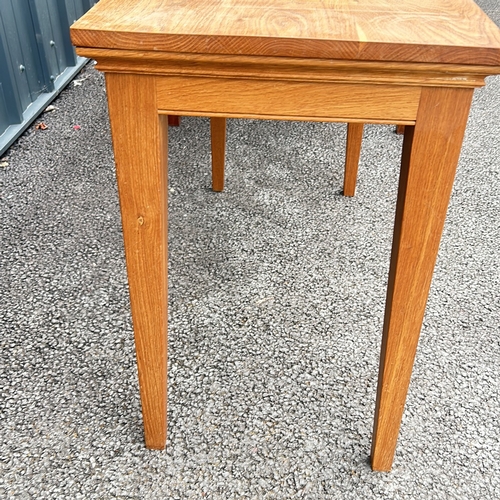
353 151
218 139
430 154
140 146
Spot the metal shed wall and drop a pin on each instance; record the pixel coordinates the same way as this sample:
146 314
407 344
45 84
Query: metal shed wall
36 59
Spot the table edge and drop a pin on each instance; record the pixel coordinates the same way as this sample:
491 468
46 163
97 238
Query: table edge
286 47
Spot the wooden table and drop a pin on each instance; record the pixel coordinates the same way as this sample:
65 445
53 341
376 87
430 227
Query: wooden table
408 62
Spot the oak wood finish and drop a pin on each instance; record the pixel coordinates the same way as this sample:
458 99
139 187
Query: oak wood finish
288 69
353 151
436 31
140 147
218 141
411 62
430 155
286 100
174 120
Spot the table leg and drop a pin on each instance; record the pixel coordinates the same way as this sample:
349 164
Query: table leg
431 150
140 146
353 151
174 120
218 139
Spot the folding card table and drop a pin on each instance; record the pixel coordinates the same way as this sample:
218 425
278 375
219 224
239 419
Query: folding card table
407 62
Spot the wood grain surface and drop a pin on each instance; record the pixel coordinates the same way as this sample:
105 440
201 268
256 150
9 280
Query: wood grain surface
431 151
381 61
289 68
286 100
447 31
352 154
140 147
218 142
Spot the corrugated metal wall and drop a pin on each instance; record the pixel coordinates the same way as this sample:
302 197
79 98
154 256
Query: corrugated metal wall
36 59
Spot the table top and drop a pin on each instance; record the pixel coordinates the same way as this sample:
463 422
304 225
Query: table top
435 31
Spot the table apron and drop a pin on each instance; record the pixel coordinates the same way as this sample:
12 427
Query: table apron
287 99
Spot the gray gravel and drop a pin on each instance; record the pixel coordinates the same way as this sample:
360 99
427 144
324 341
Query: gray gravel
277 290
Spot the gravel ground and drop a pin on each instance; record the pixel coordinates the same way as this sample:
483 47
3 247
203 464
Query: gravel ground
277 289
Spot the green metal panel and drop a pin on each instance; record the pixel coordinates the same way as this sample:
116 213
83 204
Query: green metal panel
36 59
19 44
11 110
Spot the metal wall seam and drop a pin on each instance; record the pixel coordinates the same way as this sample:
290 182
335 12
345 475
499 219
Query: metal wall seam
37 59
